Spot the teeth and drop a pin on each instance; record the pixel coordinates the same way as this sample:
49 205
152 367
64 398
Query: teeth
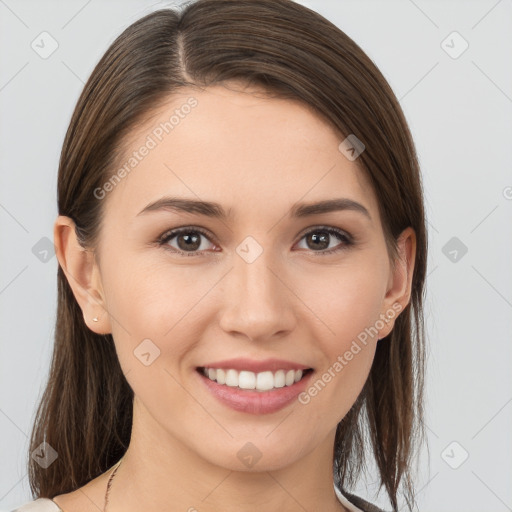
263 381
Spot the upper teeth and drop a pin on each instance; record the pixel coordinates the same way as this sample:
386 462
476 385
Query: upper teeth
262 381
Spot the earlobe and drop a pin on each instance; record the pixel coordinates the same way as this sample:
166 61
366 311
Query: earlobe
82 272
400 282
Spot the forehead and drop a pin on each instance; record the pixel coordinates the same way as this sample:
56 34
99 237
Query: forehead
235 145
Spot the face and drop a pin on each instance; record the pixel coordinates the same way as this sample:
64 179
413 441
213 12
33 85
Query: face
267 280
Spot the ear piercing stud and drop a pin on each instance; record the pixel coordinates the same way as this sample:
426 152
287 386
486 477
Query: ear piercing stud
95 319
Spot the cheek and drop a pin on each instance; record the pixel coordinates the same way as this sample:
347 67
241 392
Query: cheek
150 294
347 303
347 300
150 301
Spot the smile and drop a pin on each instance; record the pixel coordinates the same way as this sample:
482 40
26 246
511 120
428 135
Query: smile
262 381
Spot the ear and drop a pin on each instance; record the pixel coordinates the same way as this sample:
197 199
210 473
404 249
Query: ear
82 272
398 293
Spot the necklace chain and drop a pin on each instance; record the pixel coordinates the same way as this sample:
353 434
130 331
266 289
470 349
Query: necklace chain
109 483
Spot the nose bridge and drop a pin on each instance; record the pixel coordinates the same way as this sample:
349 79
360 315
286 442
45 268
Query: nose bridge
259 303
255 269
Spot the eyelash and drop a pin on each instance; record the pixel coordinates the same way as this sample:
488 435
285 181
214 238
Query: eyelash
168 235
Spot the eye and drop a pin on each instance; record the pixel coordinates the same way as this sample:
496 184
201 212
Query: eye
321 237
188 240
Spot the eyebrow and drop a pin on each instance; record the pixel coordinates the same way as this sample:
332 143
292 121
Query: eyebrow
215 210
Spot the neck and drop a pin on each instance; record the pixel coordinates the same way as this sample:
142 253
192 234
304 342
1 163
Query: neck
158 472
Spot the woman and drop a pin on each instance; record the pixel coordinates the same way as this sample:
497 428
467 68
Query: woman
242 249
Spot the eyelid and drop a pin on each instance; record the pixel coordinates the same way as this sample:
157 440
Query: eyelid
320 227
181 229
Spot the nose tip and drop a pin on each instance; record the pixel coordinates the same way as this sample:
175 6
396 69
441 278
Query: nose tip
257 304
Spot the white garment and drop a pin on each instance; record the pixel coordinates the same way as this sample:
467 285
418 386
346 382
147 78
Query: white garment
46 505
39 505
344 501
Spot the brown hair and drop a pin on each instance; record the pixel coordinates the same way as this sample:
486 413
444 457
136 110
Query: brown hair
85 413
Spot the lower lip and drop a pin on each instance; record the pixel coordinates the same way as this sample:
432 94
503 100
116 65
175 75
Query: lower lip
255 402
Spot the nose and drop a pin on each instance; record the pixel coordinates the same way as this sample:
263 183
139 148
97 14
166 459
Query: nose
257 300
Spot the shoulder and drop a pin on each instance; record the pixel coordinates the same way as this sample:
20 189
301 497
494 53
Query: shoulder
39 505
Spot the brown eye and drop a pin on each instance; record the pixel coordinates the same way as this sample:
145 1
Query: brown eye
188 240
319 240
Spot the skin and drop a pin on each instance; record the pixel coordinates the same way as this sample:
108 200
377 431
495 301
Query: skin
257 157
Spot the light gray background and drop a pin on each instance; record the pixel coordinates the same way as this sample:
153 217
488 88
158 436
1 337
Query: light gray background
460 112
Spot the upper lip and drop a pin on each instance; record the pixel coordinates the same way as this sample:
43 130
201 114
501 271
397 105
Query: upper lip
256 366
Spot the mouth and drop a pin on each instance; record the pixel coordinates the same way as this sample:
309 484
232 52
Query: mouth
254 393
254 381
